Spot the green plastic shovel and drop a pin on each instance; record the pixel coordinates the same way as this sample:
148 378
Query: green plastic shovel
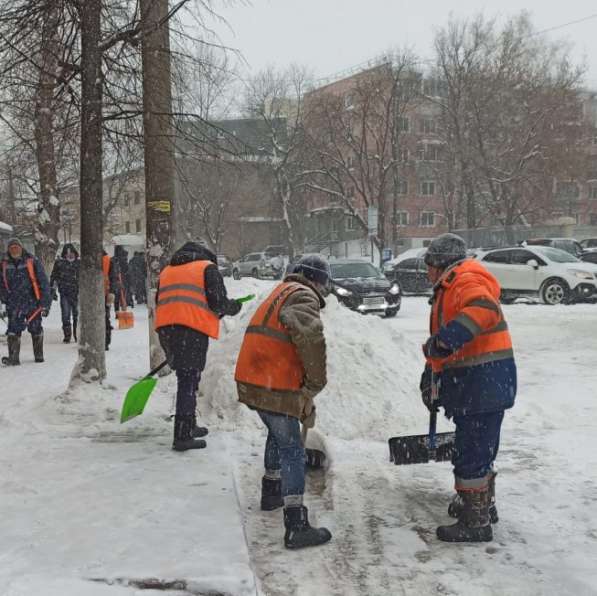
138 395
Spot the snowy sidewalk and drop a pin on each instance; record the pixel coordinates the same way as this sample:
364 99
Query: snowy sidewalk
93 508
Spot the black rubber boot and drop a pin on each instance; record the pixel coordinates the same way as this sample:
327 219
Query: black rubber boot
38 347
75 330
299 533
473 524
67 330
14 350
455 506
198 431
271 494
183 438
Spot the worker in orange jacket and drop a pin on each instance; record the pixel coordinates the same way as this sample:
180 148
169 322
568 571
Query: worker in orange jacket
281 368
471 372
191 299
111 287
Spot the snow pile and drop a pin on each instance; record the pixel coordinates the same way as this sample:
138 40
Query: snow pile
373 373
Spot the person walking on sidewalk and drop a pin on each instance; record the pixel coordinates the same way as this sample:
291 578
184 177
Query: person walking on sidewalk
25 290
281 368
65 277
191 299
111 288
471 372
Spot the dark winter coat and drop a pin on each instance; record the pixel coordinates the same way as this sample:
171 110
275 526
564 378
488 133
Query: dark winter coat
65 274
185 347
121 256
17 290
138 271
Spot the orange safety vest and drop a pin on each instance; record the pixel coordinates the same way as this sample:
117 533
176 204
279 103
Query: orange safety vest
182 300
451 302
268 358
106 261
29 264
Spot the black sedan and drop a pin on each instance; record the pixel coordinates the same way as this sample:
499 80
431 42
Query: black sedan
362 287
411 275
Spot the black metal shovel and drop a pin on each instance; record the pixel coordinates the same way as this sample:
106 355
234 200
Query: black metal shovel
421 449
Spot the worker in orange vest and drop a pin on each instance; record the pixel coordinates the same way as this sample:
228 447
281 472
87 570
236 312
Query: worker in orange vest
111 287
280 369
25 290
471 373
190 301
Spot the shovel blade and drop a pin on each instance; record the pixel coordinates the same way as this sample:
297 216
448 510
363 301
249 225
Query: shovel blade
136 398
415 449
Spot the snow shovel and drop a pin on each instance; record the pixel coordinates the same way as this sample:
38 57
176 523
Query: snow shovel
314 458
421 449
137 396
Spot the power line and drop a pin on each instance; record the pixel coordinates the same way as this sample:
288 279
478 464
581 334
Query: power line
556 27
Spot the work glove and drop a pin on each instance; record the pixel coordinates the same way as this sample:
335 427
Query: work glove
54 294
308 416
434 348
427 389
45 312
110 299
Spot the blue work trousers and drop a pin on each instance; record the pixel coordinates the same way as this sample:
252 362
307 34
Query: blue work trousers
69 307
186 393
17 323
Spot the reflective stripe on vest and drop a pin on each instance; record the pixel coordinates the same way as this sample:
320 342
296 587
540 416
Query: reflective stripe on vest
268 358
30 266
182 300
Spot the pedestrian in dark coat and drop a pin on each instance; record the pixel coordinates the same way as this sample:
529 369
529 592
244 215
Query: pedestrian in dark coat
138 272
25 290
65 277
190 301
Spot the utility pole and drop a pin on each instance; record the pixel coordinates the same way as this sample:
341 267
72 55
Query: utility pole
159 151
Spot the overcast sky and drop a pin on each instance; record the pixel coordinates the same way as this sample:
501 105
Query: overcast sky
332 35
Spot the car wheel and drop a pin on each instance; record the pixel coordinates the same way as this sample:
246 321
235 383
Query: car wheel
236 274
554 291
255 273
507 298
391 313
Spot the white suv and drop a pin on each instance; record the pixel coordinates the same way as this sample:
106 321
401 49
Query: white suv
554 275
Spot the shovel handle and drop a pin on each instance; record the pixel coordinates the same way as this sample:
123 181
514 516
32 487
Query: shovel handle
432 429
157 369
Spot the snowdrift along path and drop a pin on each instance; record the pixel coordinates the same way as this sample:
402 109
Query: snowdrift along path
83 497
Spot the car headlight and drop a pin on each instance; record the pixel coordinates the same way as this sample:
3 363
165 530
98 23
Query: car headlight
343 292
581 274
395 290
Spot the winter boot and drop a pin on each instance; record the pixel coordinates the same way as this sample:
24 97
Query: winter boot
299 533
455 506
38 347
67 334
75 331
271 494
183 438
14 350
473 524
198 431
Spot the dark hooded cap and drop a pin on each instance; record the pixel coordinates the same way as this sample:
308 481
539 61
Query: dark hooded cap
68 246
313 268
445 250
14 241
193 251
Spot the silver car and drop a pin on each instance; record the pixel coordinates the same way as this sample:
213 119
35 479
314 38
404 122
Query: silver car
255 264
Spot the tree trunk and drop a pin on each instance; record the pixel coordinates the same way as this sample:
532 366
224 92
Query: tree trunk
159 151
48 221
92 360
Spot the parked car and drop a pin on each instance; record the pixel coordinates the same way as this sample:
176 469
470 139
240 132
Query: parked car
361 286
255 264
410 271
554 275
570 245
224 265
589 244
589 257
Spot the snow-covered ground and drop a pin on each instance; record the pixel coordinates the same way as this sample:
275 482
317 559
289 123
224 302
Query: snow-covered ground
90 507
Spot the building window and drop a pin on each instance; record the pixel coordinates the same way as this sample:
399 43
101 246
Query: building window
137 225
127 199
427 188
348 101
350 162
567 190
402 186
593 192
137 197
403 154
350 192
428 153
351 223
401 218
434 88
403 124
127 227
593 219
427 219
427 126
